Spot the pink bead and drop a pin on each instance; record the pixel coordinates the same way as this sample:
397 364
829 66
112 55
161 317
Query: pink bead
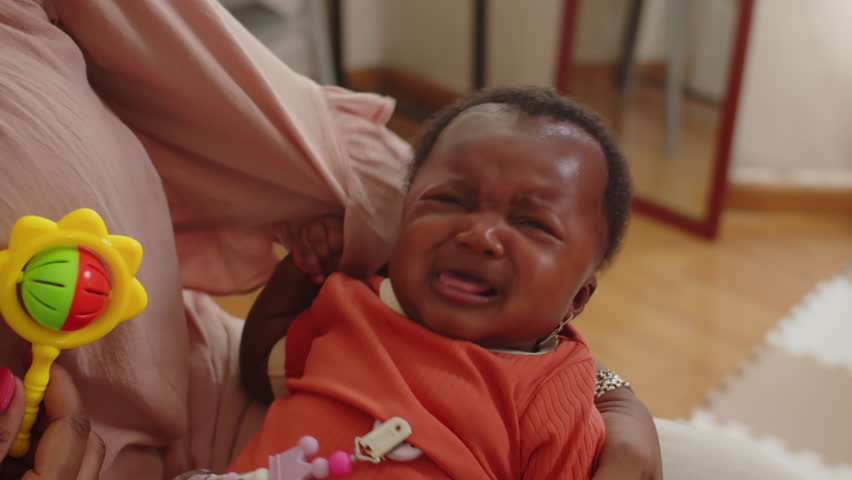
319 467
339 463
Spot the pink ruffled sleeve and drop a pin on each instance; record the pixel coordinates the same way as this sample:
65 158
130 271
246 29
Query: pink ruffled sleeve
242 143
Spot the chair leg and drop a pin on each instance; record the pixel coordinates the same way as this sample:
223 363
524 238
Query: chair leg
627 58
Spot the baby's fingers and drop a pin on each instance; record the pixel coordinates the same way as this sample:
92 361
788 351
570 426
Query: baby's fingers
334 235
315 237
309 266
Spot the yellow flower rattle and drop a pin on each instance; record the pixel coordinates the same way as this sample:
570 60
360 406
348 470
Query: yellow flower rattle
62 285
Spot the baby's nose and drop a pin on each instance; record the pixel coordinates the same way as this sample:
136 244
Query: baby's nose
482 237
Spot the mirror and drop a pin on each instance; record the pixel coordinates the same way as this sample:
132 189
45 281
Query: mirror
665 74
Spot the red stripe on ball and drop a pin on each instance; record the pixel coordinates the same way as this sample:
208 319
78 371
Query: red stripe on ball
92 292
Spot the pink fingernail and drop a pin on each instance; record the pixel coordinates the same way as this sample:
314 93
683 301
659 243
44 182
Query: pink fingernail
7 388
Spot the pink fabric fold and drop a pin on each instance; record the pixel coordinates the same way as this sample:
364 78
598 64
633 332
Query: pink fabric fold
94 94
243 144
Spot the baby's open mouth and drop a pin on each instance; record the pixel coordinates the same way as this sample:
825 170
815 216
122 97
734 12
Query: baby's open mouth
463 287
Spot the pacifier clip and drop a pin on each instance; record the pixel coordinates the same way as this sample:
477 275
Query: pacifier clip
386 440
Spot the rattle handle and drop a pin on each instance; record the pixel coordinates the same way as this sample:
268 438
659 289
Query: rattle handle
35 382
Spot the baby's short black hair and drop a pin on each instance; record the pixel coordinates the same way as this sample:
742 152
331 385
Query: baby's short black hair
546 102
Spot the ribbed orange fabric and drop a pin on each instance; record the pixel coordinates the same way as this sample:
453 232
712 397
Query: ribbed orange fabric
474 413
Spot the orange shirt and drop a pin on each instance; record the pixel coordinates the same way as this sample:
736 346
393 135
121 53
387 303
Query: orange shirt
474 413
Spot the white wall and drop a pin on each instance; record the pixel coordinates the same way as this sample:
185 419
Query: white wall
795 116
598 35
432 38
363 35
600 25
523 40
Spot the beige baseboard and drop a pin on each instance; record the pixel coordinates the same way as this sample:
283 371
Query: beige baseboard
415 90
368 79
410 88
789 198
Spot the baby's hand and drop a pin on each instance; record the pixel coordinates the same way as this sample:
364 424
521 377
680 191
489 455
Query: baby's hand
316 246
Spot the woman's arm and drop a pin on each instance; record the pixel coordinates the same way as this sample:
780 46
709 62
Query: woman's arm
632 448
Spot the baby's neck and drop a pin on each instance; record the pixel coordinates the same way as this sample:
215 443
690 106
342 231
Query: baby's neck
530 347
542 346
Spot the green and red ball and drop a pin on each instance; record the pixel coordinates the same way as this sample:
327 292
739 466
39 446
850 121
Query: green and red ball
65 287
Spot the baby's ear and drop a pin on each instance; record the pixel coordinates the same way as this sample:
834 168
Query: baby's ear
584 295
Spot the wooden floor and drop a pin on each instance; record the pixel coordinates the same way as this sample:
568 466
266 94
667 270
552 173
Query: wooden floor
675 313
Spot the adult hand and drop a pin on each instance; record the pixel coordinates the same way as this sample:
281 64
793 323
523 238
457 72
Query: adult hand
63 445
631 450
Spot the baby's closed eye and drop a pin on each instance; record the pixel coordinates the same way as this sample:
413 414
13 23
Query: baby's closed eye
451 200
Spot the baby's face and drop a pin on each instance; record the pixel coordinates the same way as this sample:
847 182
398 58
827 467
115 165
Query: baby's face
502 228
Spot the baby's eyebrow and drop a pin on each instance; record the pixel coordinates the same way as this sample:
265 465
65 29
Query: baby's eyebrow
539 199
460 182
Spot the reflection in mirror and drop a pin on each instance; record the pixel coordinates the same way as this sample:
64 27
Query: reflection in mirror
658 70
